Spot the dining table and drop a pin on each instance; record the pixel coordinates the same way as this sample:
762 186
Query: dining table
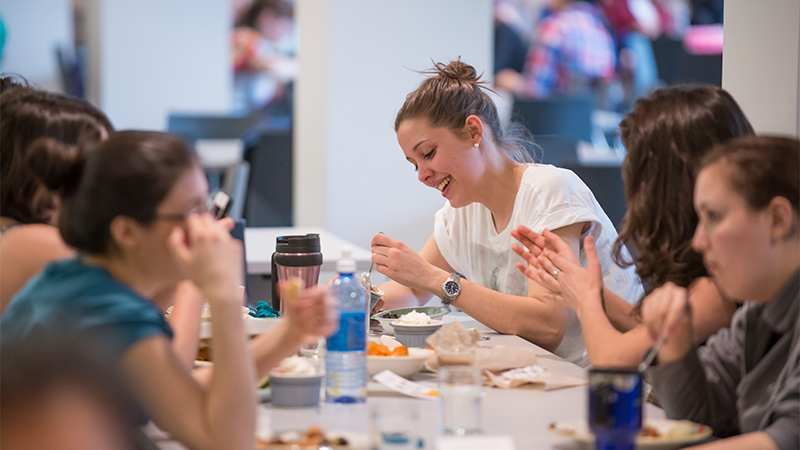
522 414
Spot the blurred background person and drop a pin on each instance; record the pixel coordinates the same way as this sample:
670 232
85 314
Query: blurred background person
572 52
263 57
61 393
29 207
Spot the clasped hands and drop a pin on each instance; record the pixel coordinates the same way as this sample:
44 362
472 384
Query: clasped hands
553 265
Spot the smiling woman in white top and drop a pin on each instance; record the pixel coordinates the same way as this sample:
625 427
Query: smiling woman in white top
449 130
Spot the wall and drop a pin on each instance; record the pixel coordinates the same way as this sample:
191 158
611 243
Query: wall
761 62
151 57
34 29
357 64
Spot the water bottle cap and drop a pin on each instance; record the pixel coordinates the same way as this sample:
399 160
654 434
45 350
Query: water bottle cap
346 264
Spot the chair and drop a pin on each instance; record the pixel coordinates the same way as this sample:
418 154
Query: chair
557 124
238 233
675 65
218 140
269 191
606 184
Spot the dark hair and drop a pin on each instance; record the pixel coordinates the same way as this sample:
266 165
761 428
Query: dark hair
249 17
49 361
761 168
128 174
453 93
28 114
666 136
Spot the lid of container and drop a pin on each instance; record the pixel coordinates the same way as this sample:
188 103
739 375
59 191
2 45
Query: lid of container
298 244
346 264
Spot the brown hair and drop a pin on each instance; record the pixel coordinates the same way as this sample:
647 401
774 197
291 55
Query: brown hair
761 168
129 174
453 93
249 18
666 136
28 114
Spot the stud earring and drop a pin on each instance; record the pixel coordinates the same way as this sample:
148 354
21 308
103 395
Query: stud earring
477 144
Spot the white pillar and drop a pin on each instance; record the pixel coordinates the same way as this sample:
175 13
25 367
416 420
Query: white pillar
761 62
148 58
357 63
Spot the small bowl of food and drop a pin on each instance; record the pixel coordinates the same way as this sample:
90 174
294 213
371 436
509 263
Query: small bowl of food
387 318
415 334
401 360
295 383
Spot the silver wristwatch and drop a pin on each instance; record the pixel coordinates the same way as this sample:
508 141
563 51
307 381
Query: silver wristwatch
451 288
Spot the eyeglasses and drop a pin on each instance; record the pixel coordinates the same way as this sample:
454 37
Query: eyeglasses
183 217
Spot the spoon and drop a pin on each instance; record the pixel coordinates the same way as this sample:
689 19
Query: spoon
648 357
365 277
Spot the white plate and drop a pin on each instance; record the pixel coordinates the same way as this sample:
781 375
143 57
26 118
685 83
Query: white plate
579 430
355 441
405 366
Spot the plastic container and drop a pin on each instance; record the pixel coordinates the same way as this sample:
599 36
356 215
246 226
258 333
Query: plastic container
295 391
346 356
415 335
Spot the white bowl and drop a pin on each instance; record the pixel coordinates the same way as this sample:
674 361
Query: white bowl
405 366
414 335
434 312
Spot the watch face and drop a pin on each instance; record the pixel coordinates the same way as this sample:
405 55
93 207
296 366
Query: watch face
451 288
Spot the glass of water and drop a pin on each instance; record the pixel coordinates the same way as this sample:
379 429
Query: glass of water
460 408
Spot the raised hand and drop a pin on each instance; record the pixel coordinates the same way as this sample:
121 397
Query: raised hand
537 243
209 256
574 283
402 264
313 313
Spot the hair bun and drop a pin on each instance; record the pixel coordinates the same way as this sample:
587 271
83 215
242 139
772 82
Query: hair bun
57 166
457 71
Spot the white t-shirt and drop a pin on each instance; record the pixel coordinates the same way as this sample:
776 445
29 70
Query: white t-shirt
548 197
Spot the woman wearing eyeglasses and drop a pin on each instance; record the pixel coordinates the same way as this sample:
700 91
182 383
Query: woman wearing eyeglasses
124 208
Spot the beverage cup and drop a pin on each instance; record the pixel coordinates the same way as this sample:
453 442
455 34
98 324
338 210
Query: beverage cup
615 408
396 427
295 256
460 406
454 348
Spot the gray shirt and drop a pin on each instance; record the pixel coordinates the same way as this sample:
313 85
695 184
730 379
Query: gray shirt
745 378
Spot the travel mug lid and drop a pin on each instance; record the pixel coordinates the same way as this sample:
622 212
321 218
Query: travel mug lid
298 244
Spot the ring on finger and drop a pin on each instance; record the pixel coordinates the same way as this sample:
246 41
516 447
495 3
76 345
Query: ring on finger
555 273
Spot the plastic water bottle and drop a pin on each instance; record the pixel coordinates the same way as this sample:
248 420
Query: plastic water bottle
346 357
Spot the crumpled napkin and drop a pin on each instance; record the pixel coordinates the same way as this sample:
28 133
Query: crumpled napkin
503 367
534 376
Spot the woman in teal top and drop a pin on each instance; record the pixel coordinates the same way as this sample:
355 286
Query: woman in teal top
133 206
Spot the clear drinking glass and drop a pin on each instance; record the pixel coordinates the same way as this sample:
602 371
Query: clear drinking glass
455 348
396 427
460 391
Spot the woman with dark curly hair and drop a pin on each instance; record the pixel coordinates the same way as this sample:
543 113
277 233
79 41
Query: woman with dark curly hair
666 136
28 206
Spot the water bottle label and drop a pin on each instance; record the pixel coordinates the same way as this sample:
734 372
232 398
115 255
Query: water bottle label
352 334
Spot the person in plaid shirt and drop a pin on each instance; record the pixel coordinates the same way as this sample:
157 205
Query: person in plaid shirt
572 51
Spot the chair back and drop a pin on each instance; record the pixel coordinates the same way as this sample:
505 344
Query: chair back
238 233
556 124
606 184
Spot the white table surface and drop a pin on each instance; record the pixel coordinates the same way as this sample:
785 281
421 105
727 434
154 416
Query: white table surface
260 245
523 414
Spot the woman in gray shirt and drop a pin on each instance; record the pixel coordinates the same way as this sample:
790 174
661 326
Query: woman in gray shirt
745 381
